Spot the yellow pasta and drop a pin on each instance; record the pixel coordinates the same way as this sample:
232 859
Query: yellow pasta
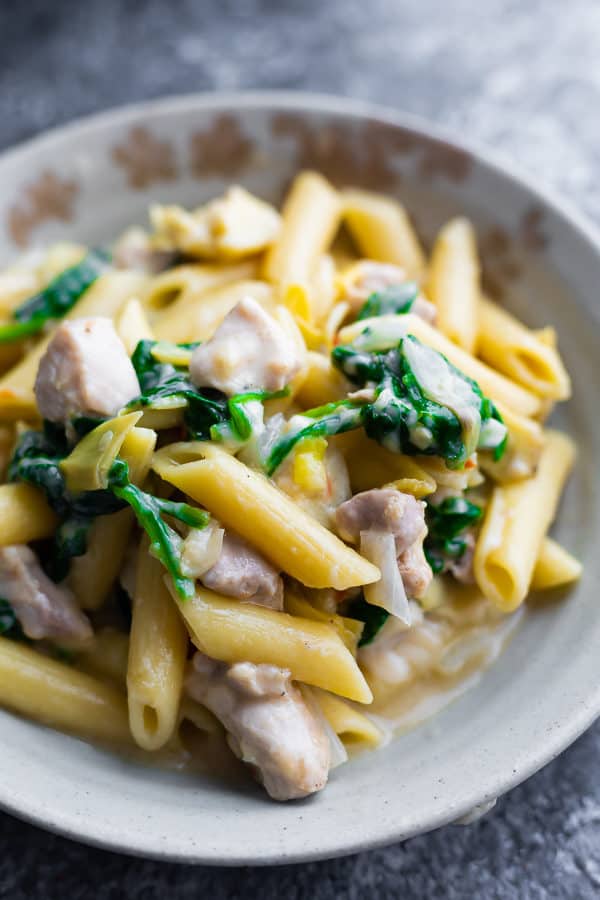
513 349
555 567
372 466
196 318
348 629
314 653
516 521
105 297
132 325
24 515
492 383
157 654
453 283
107 655
181 286
382 230
58 695
322 383
311 215
523 450
264 515
352 726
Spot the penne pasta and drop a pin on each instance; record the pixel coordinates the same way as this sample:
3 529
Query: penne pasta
523 450
58 695
278 527
348 629
106 657
516 521
453 283
132 325
352 726
181 286
157 655
24 514
519 353
314 653
311 216
555 567
382 231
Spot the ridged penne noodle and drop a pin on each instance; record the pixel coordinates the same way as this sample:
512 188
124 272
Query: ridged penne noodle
555 567
181 286
523 450
516 521
246 501
382 231
58 695
105 297
195 318
348 629
513 349
93 574
453 283
157 654
24 514
492 383
231 631
372 466
352 726
311 216
132 325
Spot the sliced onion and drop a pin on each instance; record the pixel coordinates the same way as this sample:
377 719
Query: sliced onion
379 547
338 754
200 550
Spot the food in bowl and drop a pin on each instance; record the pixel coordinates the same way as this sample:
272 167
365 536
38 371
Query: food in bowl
277 477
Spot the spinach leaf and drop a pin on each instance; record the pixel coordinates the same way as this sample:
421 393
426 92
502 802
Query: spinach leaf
149 510
333 418
57 298
447 524
9 624
395 299
374 618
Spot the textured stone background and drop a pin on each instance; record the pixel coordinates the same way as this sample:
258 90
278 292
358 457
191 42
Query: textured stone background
521 77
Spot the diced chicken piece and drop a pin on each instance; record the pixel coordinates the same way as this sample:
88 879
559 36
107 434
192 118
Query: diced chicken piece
43 608
391 511
415 570
368 277
243 573
269 726
135 250
382 509
85 371
248 351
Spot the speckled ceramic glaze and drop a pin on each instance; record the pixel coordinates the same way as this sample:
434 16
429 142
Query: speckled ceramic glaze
88 181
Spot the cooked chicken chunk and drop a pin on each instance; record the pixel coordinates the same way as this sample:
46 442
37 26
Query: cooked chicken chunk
391 511
135 250
369 277
243 573
382 509
269 726
85 371
43 608
249 350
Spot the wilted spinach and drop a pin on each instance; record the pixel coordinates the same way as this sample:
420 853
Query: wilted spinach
447 524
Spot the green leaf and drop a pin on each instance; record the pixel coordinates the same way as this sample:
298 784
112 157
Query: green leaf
397 299
447 524
374 618
57 298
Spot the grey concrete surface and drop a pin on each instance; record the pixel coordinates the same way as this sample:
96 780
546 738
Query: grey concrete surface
521 77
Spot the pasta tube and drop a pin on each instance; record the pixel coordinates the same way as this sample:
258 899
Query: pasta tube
157 655
507 345
372 466
133 326
58 695
523 449
24 515
183 285
196 318
352 726
492 383
322 382
247 502
311 215
555 567
106 657
453 283
381 228
348 629
105 297
516 521
231 631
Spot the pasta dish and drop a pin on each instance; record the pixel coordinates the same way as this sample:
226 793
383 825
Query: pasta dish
275 480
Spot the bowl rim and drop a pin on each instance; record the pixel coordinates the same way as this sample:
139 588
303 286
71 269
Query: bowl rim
569 728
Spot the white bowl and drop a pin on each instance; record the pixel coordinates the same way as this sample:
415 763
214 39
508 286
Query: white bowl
92 178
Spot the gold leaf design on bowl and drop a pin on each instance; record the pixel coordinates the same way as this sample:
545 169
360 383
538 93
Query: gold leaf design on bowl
48 197
221 149
145 158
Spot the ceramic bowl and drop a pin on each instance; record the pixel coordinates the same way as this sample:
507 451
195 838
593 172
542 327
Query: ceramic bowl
89 180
